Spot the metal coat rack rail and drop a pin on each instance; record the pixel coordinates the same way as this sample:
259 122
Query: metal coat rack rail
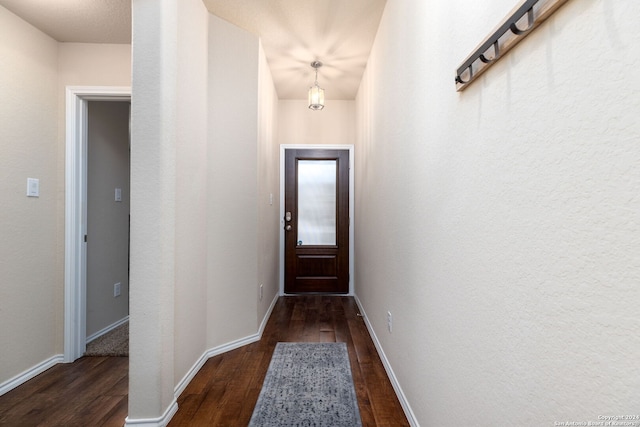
513 29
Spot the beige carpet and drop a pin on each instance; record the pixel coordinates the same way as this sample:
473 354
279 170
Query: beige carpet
113 343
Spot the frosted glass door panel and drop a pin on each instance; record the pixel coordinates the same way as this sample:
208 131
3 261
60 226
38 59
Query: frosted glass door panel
317 202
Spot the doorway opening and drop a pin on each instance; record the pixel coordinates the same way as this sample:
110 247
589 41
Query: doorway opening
107 242
76 161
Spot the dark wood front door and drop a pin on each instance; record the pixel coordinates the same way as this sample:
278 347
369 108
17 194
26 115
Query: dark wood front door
316 221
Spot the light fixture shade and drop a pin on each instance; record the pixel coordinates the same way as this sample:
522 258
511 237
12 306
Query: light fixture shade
316 93
316 97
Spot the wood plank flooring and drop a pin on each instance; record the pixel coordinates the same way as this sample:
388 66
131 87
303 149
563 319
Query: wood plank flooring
226 389
93 391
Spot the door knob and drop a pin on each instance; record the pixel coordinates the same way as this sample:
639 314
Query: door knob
288 228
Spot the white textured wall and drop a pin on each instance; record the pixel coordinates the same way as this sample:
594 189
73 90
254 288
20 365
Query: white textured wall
233 176
268 188
195 194
191 188
33 77
154 124
30 263
500 225
335 124
93 64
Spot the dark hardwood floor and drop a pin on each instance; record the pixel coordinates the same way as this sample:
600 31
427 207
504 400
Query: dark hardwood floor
93 391
226 389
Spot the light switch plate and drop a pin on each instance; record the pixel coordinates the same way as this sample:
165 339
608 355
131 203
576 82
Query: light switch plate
118 194
33 187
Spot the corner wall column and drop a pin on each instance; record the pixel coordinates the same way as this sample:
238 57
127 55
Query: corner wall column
153 183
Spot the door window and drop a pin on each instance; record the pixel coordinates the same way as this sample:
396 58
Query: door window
317 202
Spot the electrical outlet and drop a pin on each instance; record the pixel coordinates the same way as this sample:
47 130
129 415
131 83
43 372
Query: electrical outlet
389 321
116 290
260 291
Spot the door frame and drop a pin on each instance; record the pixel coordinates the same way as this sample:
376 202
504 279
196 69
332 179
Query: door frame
75 249
350 148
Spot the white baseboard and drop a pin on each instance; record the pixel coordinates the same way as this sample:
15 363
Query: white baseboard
30 373
184 382
411 417
109 328
267 315
154 422
180 387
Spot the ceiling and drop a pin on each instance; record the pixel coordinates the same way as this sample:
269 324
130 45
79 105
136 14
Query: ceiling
83 21
294 33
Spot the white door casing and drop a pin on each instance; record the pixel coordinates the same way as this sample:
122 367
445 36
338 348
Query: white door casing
77 98
350 148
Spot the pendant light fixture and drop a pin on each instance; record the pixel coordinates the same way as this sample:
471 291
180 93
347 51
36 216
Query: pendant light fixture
316 93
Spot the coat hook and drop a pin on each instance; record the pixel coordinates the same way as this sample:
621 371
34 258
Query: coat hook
459 76
496 54
517 31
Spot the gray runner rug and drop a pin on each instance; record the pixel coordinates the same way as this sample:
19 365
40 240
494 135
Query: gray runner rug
308 385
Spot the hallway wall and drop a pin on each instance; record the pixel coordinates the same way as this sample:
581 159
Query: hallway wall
233 182
268 188
335 124
30 273
203 124
169 198
191 281
33 77
499 225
